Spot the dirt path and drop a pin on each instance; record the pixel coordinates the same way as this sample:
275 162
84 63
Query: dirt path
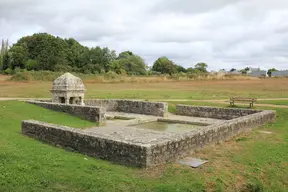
225 101
221 101
12 98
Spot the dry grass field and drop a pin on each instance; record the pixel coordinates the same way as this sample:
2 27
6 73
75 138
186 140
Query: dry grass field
197 89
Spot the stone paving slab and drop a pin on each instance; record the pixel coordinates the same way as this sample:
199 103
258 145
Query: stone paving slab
203 120
130 134
122 130
138 118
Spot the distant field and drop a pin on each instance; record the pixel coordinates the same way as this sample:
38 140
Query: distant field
201 89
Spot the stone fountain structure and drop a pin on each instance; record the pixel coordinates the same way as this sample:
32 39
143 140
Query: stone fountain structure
68 89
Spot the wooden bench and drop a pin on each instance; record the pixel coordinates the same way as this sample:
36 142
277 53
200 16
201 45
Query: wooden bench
251 101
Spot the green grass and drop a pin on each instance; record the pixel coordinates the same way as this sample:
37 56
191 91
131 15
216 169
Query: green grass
274 102
24 111
257 162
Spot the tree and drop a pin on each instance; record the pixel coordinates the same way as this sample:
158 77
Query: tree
193 70
269 72
5 56
202 67
129 62
31 64
116 67
102 58
75 53
233 69
125 54
2 52
18 56
47 49
164 66
245 70
180 69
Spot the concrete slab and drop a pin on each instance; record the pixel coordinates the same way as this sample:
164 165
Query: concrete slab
139 118
192 162
265 132
201 120
130 134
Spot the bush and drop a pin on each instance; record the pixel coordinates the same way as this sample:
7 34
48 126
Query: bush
17 70
42 75
22 76
8 71
111 75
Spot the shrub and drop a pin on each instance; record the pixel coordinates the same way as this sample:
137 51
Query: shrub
8 71
22 76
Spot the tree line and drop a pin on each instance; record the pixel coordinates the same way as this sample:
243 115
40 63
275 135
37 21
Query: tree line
42 51
246 69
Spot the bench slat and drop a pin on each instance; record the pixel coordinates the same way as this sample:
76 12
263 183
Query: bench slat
243 99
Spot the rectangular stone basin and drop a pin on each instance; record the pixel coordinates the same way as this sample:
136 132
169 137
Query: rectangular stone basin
174 127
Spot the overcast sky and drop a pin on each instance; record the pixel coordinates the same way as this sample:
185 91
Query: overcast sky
223 33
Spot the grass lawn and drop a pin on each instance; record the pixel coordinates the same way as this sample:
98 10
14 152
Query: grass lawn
274 102
250 161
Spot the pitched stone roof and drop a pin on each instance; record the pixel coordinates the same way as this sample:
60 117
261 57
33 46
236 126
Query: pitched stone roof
68 82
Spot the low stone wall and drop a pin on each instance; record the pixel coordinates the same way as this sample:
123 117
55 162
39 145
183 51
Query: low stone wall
44 100
131 106
158 149
95 146
90 113
182 144
213 112
108 104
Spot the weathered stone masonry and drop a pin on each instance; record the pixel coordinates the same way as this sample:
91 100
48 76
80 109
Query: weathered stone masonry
131 106
90 113
182 144
165 149
94 146
213 112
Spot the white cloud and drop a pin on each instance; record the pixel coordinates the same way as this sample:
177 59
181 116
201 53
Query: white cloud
223 33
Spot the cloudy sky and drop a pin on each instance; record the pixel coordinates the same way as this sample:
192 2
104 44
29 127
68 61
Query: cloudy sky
223 33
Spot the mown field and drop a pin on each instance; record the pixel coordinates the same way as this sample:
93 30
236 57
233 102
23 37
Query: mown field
254 161
204 89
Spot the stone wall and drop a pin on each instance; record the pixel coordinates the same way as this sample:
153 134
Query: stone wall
182 144
95 146
134 152
108 104
131 106
213 112
90 113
